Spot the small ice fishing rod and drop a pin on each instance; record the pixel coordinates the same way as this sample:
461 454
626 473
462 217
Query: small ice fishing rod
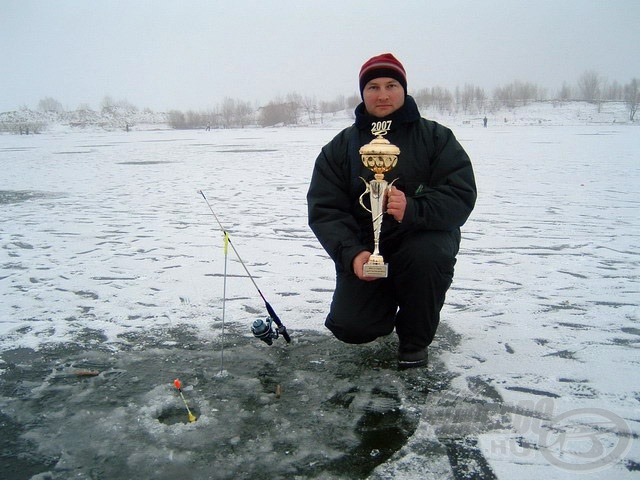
178 384
260 329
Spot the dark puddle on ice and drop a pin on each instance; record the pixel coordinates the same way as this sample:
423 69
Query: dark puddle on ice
607 132
73 152
248 150
145 162
100 145
17 149
166 140
18 196
313 409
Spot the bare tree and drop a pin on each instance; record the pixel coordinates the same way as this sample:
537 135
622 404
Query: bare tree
504 96
442 99
228 112
244 113
310 107
565 92
632 97
49 104
423 98
177 119
325 107
590 86
480 98
293 104
614 92
466 97
274 113
108 104
526 92
517 93
352 101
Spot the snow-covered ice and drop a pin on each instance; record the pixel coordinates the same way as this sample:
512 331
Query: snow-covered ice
108 250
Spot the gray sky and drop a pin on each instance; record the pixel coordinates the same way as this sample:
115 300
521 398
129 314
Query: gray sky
191 54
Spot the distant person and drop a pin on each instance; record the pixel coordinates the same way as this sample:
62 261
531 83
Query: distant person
432 198
484 121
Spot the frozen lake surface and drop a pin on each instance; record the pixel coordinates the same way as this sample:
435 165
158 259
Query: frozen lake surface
112 280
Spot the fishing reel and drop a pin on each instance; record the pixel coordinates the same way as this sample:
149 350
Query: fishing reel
265 331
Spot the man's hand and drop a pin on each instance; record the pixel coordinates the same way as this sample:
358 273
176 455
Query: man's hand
396 203
358 264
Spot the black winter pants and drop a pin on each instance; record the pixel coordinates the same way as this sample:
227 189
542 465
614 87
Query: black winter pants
421 269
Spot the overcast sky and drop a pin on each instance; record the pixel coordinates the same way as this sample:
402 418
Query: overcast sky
192 54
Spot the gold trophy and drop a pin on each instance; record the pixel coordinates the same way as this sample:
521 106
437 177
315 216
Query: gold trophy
379 156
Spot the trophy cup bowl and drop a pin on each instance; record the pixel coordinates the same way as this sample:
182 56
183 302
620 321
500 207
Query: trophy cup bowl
379 156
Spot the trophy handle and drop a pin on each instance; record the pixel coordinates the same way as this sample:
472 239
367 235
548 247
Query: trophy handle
367 190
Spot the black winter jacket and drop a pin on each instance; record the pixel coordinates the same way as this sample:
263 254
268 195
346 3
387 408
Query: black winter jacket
433 171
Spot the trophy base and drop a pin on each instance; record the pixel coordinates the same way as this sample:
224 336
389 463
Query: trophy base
375 267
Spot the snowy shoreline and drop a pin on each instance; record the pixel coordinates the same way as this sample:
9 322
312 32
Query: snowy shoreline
547 113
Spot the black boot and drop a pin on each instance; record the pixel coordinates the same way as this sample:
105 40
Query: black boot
412 359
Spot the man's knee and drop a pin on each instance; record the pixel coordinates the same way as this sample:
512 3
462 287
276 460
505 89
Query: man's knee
357 332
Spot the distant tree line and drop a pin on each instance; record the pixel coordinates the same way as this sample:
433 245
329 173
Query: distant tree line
291 109
590 87
112 115
232 113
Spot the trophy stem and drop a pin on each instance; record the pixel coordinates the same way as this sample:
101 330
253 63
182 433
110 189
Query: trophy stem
376 267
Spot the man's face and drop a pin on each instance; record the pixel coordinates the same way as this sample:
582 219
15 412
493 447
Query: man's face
383 96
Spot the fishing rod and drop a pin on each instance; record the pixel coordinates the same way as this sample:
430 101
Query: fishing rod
260 329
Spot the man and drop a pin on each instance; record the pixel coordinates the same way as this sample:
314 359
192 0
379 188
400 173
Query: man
432 197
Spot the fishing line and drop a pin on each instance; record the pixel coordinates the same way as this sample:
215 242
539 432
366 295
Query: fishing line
260 329
224 298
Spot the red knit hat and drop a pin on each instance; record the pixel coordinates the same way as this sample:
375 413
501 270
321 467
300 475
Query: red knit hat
385 65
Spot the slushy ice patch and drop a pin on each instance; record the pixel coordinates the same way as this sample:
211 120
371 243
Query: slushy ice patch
306 409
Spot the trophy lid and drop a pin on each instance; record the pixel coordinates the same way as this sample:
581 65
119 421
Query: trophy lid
379 146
